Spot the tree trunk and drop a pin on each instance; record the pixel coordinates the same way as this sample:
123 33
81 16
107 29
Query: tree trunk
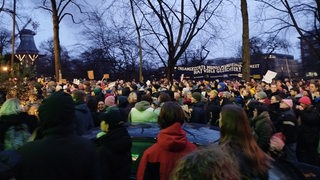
56 41
245 42
13 36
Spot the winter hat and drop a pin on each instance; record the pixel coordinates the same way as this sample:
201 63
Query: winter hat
113 118
197 96
57 109
305 100
97 90
262 95
288 102
109 101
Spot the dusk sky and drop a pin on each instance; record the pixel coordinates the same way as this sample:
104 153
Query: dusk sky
69 33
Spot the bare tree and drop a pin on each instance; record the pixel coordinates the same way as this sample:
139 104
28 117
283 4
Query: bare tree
169 26
302 16
59 9
245 41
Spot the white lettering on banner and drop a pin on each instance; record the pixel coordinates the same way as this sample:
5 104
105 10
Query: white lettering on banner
232 67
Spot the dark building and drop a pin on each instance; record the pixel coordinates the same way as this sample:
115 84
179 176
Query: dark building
310 54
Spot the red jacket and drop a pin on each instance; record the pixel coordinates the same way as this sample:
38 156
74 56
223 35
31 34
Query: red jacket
160 159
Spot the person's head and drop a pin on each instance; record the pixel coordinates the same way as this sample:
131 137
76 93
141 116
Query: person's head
273 88
261 95
147 97
305 101
294 91
101 106
313 87
110 101
196 97
177 96
57 110
212 94
10 106
132 98
259 108
207 164
286 104
232 117
275 99
78 96
170 113
111 120
163 97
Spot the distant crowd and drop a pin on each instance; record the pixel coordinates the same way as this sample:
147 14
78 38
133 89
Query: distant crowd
259 122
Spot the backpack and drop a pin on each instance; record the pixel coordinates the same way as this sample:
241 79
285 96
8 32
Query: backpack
16 136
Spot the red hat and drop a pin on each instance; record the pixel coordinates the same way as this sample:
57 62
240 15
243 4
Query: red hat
305 100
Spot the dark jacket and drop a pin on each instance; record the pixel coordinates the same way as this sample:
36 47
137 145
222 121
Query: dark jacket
60 154
159 160
309 132
262 130
212 110
198 114
287 124
83 119
114 153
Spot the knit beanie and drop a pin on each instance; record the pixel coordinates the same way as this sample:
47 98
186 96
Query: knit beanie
56 110
262 95
109 101
305 100
197 96
288 102
113 118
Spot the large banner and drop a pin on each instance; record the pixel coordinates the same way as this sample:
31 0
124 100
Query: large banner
217 71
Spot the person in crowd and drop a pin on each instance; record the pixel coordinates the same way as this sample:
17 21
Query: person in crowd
262 97
236 138
16 125
187 98
159 160
114 147
83 118
109 102
243 96
313 88
162 98
262 126
212 108
122 104
309 132
59 153
267 89
295 95
287 124
275 91
101 106
198 114
92 102
142 111
178 98
208 163
274 107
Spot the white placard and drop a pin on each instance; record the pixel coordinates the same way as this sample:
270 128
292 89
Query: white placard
269 76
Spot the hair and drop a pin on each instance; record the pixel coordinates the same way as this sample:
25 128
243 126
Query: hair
207 164
78 95
147 97
133 97
235 128
170 113
10 106
164 97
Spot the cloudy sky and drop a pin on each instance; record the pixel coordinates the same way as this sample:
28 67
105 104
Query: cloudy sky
69 33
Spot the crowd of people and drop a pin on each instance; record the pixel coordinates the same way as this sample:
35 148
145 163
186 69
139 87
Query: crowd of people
42 123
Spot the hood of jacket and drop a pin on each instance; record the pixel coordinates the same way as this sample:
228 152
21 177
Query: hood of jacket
82 107
142 105
173 138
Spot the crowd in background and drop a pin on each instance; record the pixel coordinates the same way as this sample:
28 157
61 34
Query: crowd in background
281 117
